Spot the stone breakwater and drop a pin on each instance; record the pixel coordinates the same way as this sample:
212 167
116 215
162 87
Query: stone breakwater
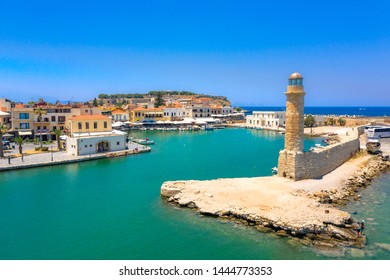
341 195
268 204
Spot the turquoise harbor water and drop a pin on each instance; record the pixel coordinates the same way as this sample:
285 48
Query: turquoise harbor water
111 209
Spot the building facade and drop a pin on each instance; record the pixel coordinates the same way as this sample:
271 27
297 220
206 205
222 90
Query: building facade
91 134
141 114
5 112
266 119
119 115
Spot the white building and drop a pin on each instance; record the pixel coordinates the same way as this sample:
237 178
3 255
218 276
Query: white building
266 119
173 112
92 134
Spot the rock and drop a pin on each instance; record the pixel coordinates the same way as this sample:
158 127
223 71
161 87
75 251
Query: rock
282 233
383 246
357 253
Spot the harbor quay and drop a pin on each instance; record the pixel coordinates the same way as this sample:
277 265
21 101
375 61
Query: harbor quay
15 161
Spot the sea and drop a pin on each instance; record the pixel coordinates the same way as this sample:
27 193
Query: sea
111 209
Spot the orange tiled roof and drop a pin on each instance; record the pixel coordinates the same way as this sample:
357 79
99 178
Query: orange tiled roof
118 111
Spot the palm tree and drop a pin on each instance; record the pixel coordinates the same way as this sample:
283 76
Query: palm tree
40 111
3 130
19 141
58 134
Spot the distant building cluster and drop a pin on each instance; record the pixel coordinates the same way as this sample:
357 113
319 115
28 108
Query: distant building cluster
97 118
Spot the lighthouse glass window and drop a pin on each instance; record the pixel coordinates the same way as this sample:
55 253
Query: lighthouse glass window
299 82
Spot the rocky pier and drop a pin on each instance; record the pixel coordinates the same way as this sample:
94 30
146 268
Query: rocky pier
268 205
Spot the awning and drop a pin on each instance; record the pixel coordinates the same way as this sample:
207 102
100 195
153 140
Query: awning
7 135
24 133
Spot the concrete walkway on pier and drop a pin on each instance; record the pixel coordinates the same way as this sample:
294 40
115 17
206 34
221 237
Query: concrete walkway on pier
55 158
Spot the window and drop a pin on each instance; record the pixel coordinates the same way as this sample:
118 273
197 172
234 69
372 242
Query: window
105 124
117 143
90 146
54 128
80 126
87 125
24 116
24 126
95 125
61 128
53 118
86 146
61 119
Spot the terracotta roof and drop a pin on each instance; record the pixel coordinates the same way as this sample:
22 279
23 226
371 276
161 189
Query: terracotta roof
89 117
118 111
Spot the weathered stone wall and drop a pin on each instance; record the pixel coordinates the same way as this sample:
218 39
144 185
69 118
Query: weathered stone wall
319 162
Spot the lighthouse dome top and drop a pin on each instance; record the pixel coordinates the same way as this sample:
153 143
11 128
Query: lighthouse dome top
295 75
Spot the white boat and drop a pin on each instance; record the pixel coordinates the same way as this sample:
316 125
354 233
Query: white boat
274 170
144 141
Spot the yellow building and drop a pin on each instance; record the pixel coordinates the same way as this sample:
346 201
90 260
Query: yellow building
23 121
140 114
89 124
91 134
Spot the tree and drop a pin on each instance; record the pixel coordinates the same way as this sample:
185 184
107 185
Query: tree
40 112
58 133
103 96
3 130
309 121
20 142
159 100
95 103
330 121
341 121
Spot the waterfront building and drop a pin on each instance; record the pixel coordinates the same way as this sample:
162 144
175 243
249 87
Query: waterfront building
266 119
141 114
119 115
198 110
226 110
5 111
174 112
91 134
216 109
22 119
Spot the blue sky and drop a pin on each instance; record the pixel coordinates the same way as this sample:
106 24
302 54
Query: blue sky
245 50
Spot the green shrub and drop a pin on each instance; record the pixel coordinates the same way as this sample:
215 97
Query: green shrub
45 149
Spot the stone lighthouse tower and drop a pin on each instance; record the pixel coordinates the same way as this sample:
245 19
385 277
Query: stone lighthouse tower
294 114
289 159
